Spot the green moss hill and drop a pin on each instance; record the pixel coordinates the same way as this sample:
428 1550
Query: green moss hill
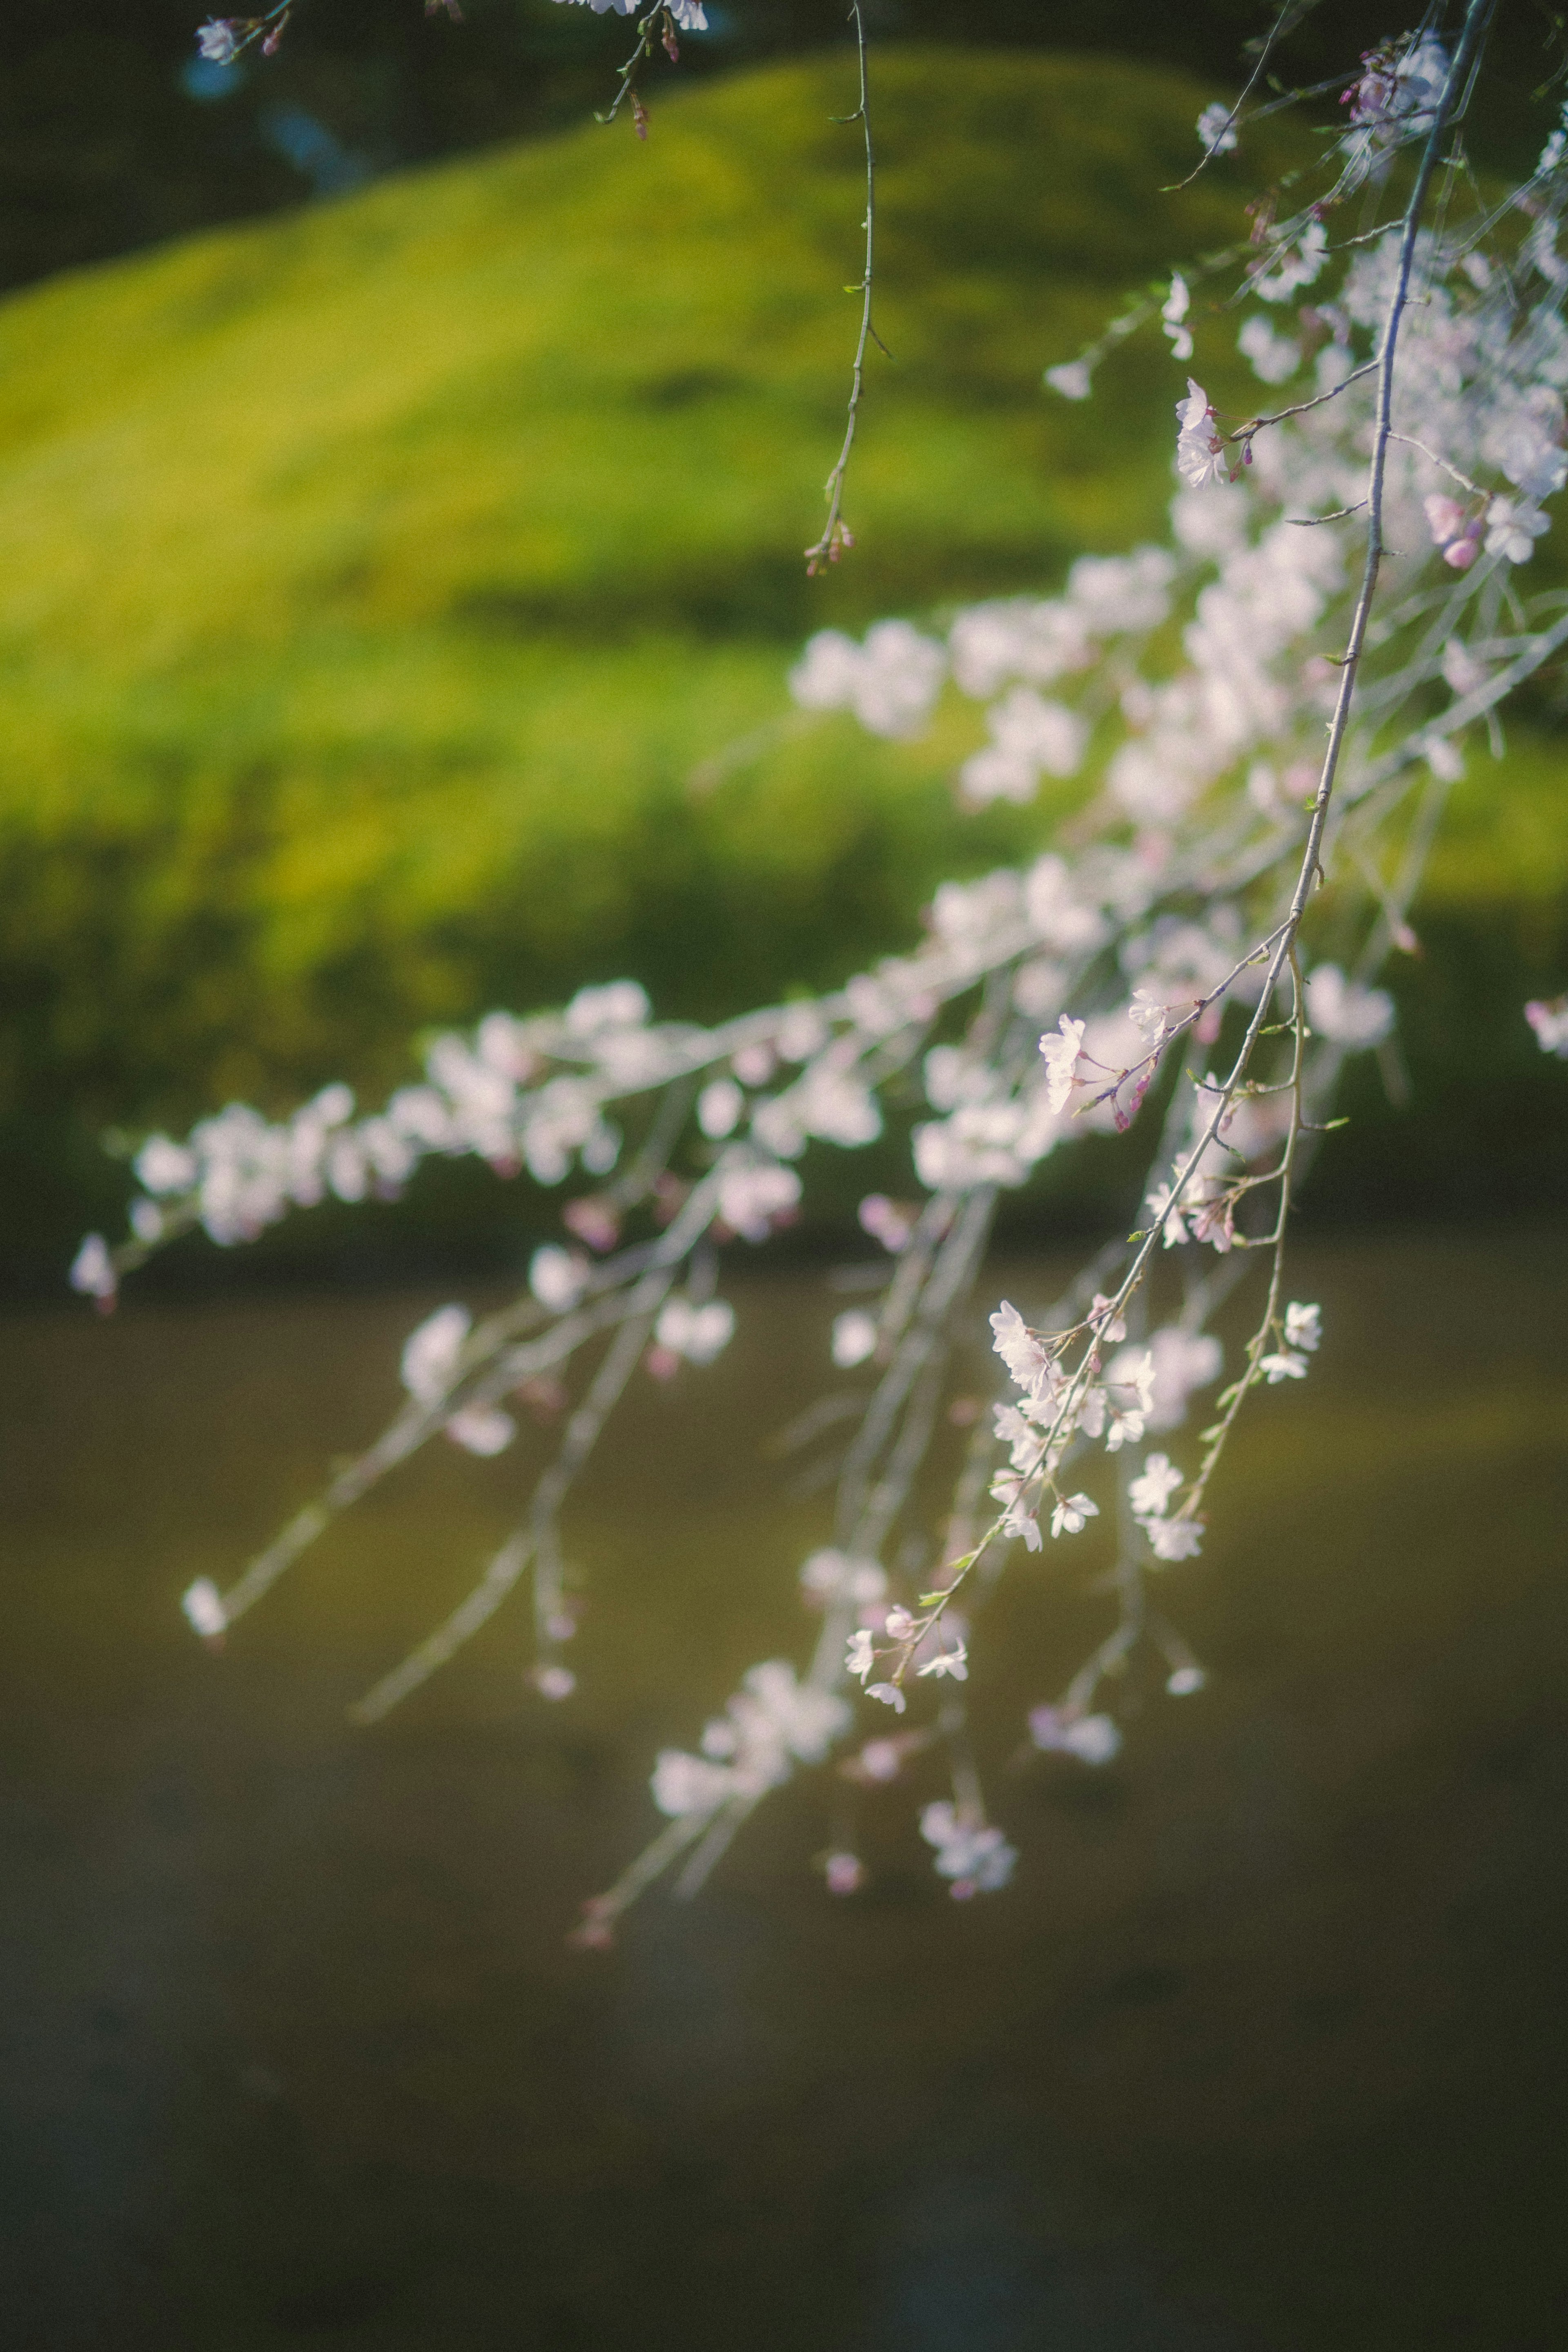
380 587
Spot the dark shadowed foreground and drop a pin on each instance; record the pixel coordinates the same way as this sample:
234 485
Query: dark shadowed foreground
1263 2050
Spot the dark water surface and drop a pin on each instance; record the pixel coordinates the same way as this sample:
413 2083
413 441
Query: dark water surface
1265 2048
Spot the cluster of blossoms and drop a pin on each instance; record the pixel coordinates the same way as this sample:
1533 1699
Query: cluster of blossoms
1199 966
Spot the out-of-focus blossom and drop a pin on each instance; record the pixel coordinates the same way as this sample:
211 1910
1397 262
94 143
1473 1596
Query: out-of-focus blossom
1150 1493
698 1333
1344 1012
1092 1738
1216 129
854 1337
1549 1022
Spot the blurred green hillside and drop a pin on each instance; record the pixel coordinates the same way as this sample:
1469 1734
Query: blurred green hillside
372 582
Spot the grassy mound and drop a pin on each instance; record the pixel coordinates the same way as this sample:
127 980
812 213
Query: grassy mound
371 582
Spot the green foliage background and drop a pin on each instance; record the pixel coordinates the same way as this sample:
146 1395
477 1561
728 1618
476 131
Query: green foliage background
380 587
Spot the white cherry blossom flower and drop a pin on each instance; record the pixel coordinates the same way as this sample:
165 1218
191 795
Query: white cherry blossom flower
889 1694
1092 1738
202 1605
1184 1360
1303 1326
1029 735
698 1333
718 1108
430 1353
752 1197
1020 1350
1135 1369
217 41
1162 1204
618 1004
890 682
1072 1514
1285 1366
1150 1493
1174 1538
1295 262
1061 1048
163 1166
1514 526
1200 454
481 1429
954 1662
557 1277
1344 1012
972 1853
1091 1411
1274 358
860 1657
686 1784
1126 1429
854 1337
832 1575
1072 379
1107 1326
1057 911
92 1270
1147 1012
1019 1522
1173 312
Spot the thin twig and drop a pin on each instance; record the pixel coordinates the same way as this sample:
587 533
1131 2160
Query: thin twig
834 537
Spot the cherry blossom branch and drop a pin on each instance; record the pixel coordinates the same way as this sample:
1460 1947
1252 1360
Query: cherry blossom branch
501 1575
1219 139
835 539
1246 433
